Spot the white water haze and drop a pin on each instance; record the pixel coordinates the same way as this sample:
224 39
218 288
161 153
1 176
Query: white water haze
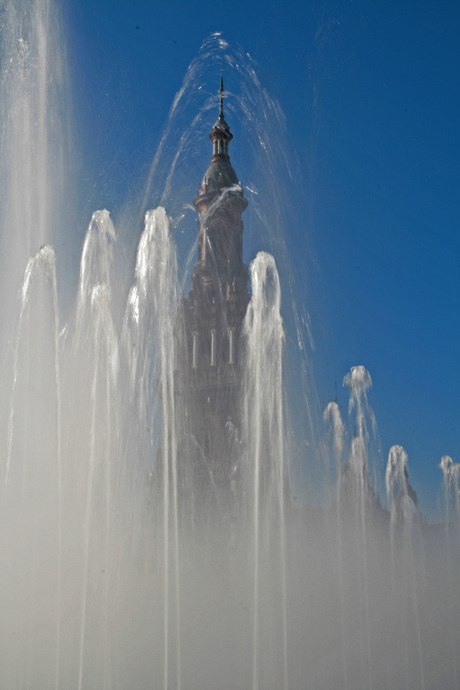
104 581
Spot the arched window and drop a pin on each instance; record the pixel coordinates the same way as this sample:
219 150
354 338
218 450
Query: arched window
195 349
231 346
213 347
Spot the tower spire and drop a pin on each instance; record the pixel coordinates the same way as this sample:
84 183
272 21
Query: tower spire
221 91
221 232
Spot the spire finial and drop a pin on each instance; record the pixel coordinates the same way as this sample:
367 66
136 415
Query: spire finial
221 91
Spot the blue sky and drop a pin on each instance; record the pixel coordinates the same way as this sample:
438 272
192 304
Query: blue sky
371 96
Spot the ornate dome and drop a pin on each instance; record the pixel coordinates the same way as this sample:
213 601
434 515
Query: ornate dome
220 174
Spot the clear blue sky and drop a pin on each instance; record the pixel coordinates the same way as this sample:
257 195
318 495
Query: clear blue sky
371 95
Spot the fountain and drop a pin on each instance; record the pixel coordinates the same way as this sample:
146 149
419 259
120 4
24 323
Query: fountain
107 577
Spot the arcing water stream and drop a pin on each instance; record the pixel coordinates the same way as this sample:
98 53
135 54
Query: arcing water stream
104 580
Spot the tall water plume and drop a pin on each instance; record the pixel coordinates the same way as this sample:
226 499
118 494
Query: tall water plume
407 559
31 527
266 472
149 341
32 141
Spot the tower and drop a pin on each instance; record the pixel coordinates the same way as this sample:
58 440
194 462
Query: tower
209 367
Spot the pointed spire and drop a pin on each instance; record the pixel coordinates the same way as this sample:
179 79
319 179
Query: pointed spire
221 91
220 173
221 134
